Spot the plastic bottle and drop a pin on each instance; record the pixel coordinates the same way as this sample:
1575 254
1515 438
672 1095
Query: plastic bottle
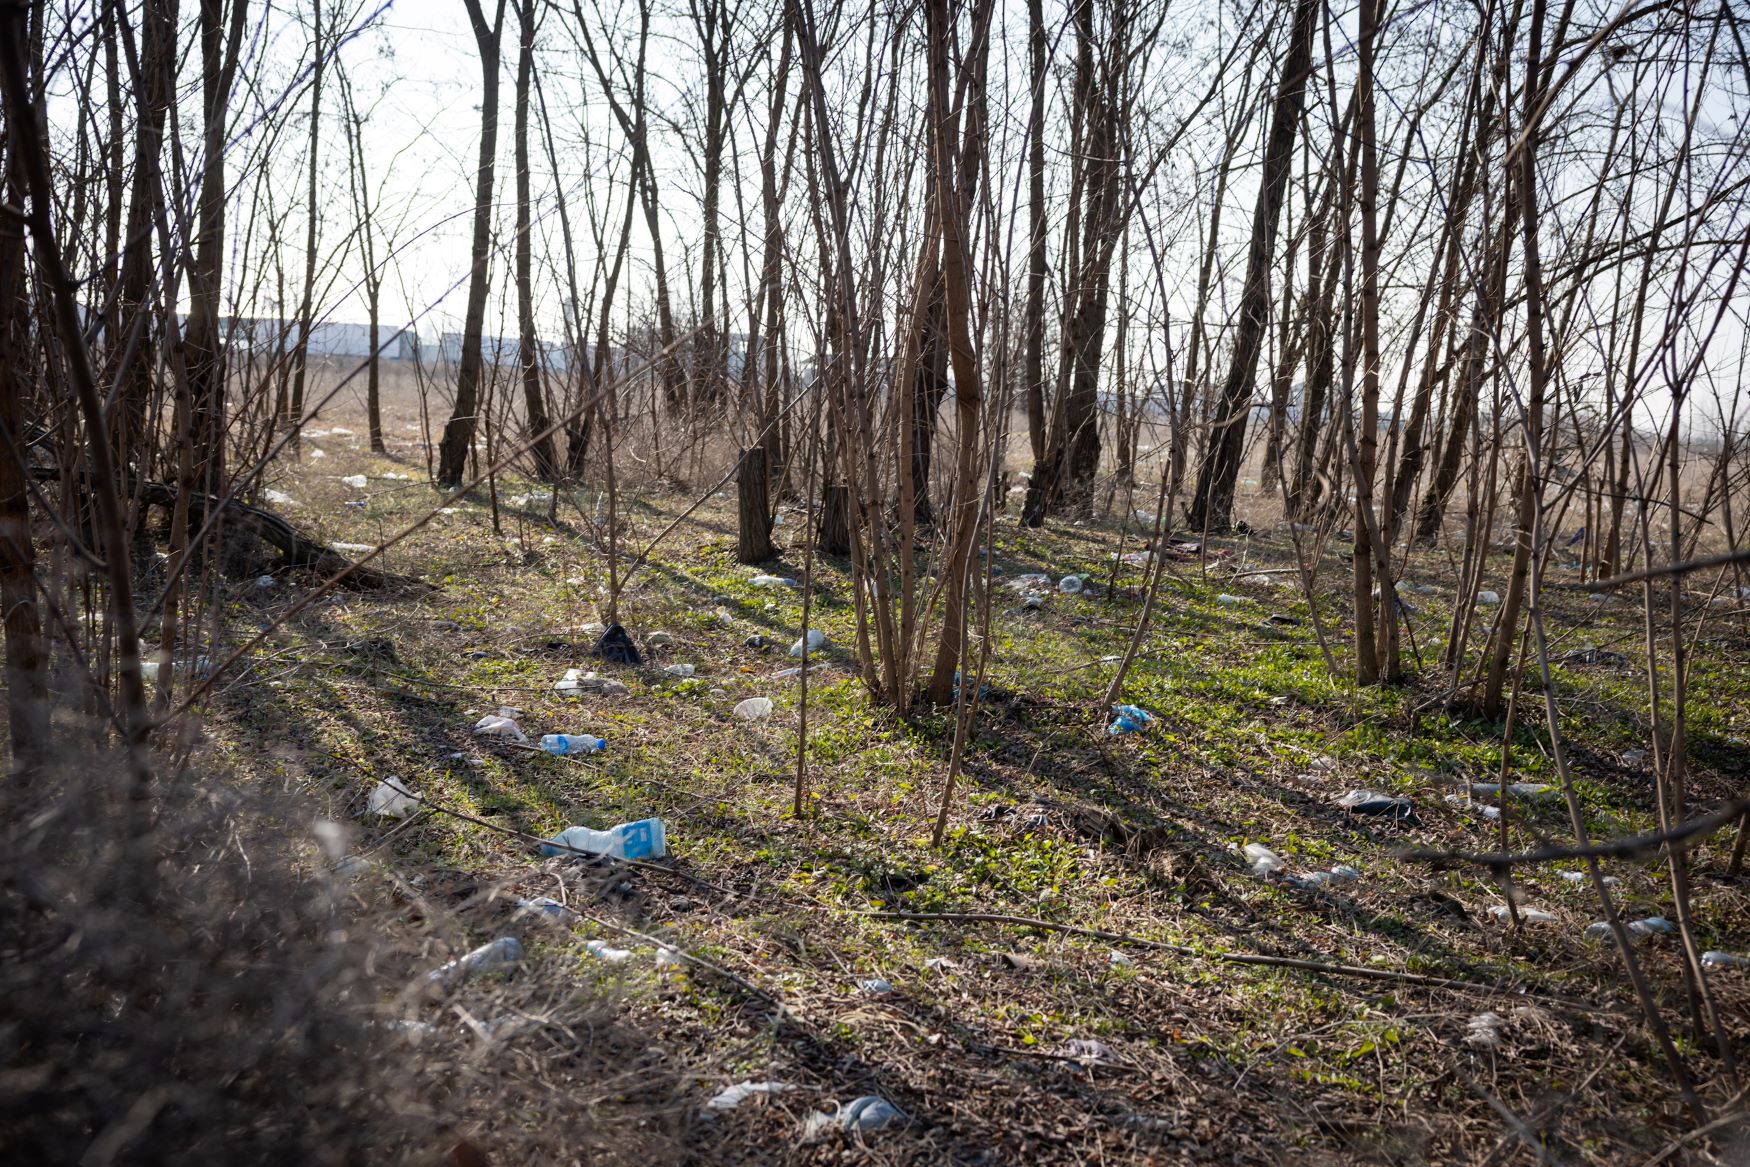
1128 719
572 743
499 954
644 839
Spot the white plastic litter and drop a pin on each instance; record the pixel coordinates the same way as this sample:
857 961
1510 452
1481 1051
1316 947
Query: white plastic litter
601 950
1580 877
735 1095
1264 861
753 709
356 481
1504 914
816 641
669 958
280 498
875 986
1483 1031
941 964
1229 601
1069 585
1089 1050
264 582
1489 599
1343 873
869 1113
354 548
499 954
1117 959
497 725
680 670
391 799
1718 959
772 581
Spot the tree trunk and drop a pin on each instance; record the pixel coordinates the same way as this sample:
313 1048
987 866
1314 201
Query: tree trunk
458 439
26 692
1033 367
1212 506
301 351
834 535
754 541
528 347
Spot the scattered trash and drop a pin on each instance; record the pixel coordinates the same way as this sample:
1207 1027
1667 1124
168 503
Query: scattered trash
562 744
500 725
1489 599
1368 802
391 799
1129 719
1285 620
1533 790
1021 962
356 481
351 866
1638 930
1229 601
280 498
500 954
1343 873
1087 1049
601 950
1264 861
576 682
1634 757
1117 959
682 670
1426 589
645 839
667 957
772 581
1718 959
1483 1031
659 640
616 647
1323 762
1069 585
753 709
354 548
875 986
941 964
735 1095
758 643
869 1113
1580 877
1504 913
545 906
266 581
718 694
816 641
316 453
786 674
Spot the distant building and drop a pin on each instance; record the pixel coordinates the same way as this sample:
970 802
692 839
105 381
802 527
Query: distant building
263 335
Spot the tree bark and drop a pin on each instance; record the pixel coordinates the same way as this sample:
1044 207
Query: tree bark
1212 506
528 346
754 539
458 437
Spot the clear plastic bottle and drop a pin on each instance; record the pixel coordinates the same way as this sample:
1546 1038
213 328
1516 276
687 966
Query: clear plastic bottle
572 743
644 839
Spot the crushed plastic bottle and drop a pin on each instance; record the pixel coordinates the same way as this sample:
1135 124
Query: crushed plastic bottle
645 839
562 744
356 481
1504 914
545 906
1069 585
1368 802
1717 959
816 641
1489 599
772 581
500 954
1227 600
753 709
1128 719
869 1113
681 670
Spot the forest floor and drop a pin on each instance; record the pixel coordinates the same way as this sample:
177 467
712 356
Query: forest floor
1001 1042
